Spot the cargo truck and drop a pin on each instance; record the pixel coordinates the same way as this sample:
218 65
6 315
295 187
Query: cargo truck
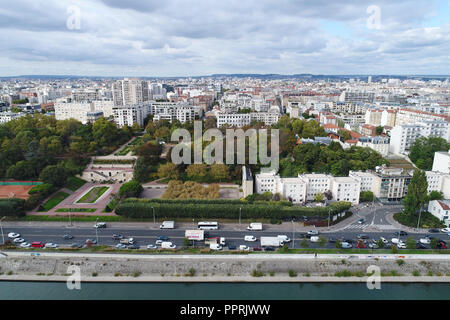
215 240
168 245
167 225
127 241
196 235
255 226
271 242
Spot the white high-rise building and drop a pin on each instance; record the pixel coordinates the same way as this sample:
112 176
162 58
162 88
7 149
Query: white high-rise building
130 92
441 162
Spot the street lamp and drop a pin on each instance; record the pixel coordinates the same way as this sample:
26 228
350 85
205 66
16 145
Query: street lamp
70 217
96 229
154 221
240 211
293 233
329 213
1 227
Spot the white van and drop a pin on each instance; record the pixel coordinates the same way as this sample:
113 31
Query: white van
284 238
256 226
243 247
168 245
250 238
314 239
215 246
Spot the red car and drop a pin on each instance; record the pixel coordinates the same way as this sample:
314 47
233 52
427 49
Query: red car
257 249
37 244
442 245
360 245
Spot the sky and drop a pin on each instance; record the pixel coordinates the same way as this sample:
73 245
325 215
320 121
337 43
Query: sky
169 38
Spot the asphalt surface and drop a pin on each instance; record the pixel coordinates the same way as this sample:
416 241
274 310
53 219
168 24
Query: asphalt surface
145 236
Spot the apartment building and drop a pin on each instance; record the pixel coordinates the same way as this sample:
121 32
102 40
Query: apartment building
130 114
441 210
8 116
388 118
373 117
378 143
441 162
240 120
368 130
73 110
393 184
345 189
130 92
409 116
357 96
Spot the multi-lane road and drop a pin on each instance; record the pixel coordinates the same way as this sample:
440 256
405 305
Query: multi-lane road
145 236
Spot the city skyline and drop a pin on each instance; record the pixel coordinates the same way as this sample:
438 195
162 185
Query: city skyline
195 38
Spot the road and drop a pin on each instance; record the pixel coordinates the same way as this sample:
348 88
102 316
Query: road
145 236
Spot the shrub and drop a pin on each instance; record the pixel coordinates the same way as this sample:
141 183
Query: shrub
416 273
12 207
130 189
400 262
292 273
257 273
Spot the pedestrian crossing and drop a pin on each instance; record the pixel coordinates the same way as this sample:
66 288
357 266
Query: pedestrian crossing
371 226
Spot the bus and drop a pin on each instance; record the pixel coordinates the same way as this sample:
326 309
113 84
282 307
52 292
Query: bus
208 225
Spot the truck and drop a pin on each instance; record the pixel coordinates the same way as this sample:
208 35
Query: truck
215 246
197 235
255 226
215 240
167 225
127 241
271 242
168 245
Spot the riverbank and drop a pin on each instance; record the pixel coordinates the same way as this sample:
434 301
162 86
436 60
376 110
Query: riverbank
22 266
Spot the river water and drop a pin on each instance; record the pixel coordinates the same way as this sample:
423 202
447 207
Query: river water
222 291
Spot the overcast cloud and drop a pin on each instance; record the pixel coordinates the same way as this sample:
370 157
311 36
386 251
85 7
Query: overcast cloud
202 37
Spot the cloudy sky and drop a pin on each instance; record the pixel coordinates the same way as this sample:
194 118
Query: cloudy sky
202 37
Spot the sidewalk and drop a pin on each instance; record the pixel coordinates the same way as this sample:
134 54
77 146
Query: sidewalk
391 220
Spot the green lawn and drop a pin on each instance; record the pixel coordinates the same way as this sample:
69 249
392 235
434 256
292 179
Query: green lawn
76 210
74 183
53 201
93 195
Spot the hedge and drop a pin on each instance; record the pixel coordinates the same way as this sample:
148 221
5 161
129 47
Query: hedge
212 201
12 207
136 208
38 194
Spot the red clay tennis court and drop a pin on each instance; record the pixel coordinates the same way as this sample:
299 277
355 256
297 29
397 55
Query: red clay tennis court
16 189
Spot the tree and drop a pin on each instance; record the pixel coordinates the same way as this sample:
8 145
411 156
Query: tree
366 196
345 135
318 197
423 150
54 175
105 133
163 133
197 171
130 189
379 130
411 243
435 195
322 241
168 170
380 244
338 244
417 193
304 243
219 172
434 243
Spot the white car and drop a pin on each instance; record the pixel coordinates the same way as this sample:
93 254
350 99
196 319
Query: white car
445 230
250 238
401 245
51 245
346 245
25 245
425 240
19 240
121 246
152 246
314 239
313 232
395 240
244 248
100 225
13 235
384 240
158 242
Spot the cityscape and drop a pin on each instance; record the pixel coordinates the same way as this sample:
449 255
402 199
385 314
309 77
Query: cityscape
206 158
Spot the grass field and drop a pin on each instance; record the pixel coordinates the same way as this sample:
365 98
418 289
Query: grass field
74 183
53 201
93 195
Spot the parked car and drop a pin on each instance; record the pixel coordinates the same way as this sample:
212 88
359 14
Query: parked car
360 245
257 249
313 232
37 244
25 245
19 240
331 240
91 241
50 245
76 245
395 240
420 246
445 230
13 235
363 236
384 240
442 245
117 237
67 237
163 238
372 245
425 240
269 249
401 245
250 238
231 247
244 248
215 246
433 230
121 246
346 245
402 233
158 242
133 246
100 225
152 247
